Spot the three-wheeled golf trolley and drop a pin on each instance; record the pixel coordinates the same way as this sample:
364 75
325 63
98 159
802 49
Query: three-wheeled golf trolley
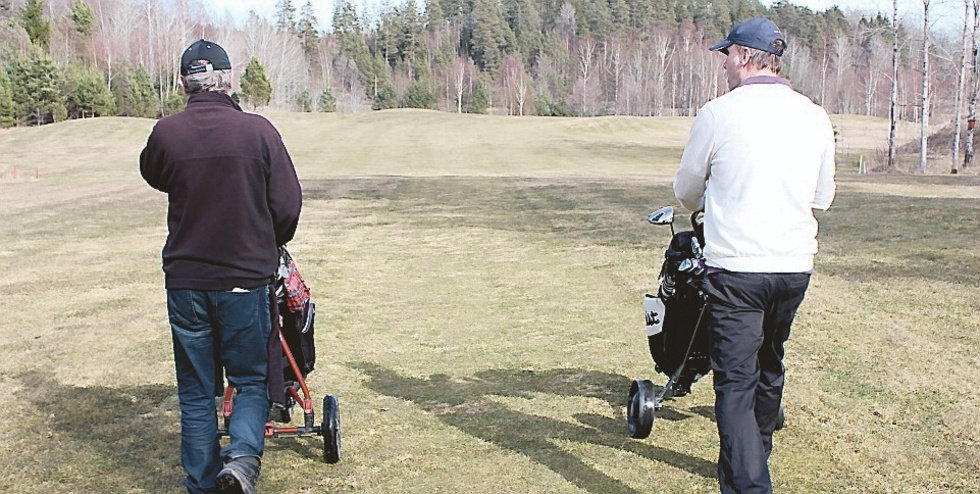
296 312
675 328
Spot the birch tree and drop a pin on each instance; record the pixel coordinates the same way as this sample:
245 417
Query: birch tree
960 82
923 140
971 119
457 76
892 112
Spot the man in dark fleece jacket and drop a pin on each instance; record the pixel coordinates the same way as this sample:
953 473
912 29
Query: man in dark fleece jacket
234 198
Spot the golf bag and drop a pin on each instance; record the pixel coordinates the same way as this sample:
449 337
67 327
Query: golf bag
680 333
677 331
298 314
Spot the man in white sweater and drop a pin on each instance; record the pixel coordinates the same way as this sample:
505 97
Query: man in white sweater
758 161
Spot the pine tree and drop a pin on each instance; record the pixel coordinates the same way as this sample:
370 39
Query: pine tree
256 88
434 16
304 102
138 96
36 87
81 15
481 99
347 29
389 34
386 97
327 103
412 35
525 21
488 39
87 92
175 102
307 29
285 16
6 101
420 95
38 28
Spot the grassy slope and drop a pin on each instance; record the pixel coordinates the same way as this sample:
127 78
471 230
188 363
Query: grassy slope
479 281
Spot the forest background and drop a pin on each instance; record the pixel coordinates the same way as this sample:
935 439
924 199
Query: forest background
82 58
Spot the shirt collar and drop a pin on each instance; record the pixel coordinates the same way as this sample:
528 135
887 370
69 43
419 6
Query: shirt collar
765 79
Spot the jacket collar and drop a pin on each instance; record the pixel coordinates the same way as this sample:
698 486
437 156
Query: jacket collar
210 97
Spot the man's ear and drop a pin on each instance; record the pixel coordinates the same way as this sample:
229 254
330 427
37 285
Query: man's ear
183 84
744 55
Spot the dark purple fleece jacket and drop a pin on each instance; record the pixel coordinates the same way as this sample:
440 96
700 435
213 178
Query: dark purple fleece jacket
233 193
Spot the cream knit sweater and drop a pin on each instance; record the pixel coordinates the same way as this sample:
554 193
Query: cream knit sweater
759 160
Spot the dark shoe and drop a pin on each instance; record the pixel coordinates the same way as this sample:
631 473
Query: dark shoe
239 476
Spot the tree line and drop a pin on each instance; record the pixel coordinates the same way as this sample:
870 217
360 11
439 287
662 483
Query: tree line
81 58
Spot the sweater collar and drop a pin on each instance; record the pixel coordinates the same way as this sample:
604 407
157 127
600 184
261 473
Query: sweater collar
211 97
765 79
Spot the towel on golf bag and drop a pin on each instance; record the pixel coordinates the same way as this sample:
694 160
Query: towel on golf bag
290 284
298 316
681 277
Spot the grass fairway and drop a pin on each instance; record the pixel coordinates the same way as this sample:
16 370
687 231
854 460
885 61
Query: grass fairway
479 282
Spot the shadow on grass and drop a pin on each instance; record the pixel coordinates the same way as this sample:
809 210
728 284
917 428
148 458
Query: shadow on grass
111 439
118 439
466 404
864 236
601 212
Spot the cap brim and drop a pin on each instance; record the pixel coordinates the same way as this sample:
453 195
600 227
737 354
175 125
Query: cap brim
721 45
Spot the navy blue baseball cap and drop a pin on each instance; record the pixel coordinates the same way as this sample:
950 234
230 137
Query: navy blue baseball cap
759 33
204 50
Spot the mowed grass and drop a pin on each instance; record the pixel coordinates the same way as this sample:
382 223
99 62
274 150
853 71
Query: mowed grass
479 283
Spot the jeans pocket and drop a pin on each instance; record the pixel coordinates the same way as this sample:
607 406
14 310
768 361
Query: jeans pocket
186 311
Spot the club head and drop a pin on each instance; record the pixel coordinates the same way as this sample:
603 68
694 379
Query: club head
662 216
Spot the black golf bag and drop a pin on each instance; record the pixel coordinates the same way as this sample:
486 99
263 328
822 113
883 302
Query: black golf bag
681 333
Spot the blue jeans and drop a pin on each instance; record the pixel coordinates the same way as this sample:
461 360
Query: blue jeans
210 329
749 317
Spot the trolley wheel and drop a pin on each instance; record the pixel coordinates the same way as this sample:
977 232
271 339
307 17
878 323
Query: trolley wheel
781 418
640 408
330 429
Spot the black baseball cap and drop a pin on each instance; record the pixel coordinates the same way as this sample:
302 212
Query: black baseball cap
204 50
759 33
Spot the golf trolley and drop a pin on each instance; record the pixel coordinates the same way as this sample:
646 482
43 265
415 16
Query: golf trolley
675 329
296 313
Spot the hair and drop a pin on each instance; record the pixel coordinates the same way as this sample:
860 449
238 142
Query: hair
218 81
764 60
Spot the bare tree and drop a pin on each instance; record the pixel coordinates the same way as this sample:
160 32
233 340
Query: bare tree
842 63
615 67
664 53
586 54
521 94
892 113
960 82
511 77
458 75
971 118
924 141
877 63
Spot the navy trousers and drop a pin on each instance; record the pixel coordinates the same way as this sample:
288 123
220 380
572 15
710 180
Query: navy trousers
212 328
749 317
